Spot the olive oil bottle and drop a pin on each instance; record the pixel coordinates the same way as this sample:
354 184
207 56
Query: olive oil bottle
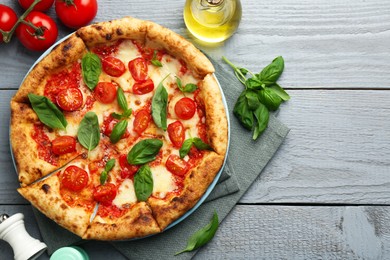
212 20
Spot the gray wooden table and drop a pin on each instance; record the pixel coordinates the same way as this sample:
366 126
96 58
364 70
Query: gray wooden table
326 192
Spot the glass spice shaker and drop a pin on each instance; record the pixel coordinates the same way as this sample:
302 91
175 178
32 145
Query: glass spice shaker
212 20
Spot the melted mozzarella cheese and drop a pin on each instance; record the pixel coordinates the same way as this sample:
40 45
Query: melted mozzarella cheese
163 181
126 194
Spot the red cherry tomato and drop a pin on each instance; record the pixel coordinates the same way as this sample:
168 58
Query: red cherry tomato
108 126
141 121
105 194
127 170
76 13
176 133
185 108
144 87
113 66
42 37
63 144
70 99
105 92
42 6
139 69
176 165
8 19
74 178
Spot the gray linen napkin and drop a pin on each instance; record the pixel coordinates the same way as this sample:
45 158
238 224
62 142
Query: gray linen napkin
246 159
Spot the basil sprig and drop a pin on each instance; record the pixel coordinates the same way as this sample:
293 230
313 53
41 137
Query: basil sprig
261 95
143 183
91 67
144 151
155 61
159 105
190 87
202 236
121 98
47 112
88 133
197 142
104 175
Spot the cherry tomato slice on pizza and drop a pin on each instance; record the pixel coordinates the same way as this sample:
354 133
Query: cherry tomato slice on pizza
176 133
8 19
70 99
139 69
74 178
185 108
105 92
176 165
105 194
113 66
140 88
127 170
63 145
141 121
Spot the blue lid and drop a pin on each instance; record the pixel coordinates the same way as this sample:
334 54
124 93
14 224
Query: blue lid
69 253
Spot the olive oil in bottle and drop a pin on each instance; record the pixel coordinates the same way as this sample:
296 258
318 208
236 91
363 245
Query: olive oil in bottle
212 20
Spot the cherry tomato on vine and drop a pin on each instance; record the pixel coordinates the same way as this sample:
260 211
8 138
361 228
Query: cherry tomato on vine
42 36
8 19
42 6
76 13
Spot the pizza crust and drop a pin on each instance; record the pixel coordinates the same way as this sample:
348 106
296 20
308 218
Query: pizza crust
65 53
105 32
45 196
196 183
136 222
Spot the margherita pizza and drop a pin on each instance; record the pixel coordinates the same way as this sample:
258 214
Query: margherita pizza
119 130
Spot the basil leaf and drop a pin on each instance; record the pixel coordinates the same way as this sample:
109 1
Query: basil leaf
122 99
202 236
159 106
144 151
127 113
262 117
91 67
190 87
116 116
280 92
118 130
242 111
252 99
272 72
270 99
200 144
88 133
244 71
143 183
109 165
254 83
185 148
155 61
104 175
47 112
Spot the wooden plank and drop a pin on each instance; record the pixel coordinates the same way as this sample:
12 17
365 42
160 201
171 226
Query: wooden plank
325 43
337 151
277 232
